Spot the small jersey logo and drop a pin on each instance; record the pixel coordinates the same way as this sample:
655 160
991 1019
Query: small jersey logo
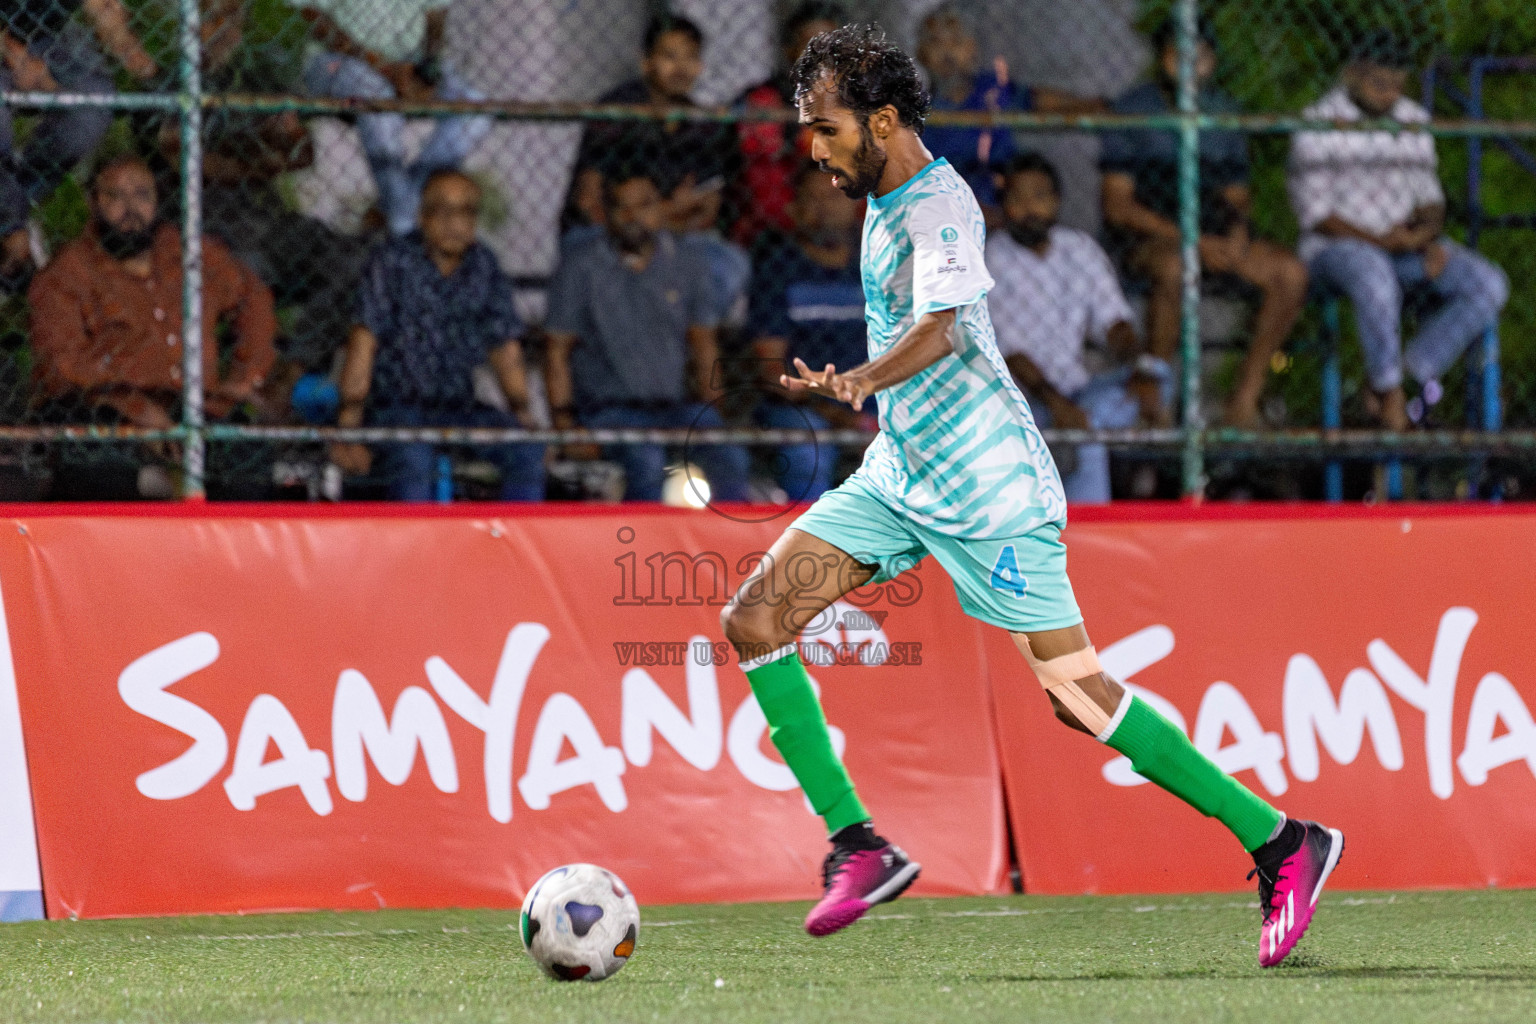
949 235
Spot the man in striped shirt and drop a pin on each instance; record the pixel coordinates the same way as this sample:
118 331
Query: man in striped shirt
958 471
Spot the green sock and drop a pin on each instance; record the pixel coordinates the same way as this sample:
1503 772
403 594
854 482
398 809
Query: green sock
1163 754
798 729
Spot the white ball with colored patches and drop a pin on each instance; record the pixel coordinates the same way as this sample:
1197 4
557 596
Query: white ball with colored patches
580 923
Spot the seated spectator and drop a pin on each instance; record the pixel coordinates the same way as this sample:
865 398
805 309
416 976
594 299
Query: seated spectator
948 51
245 154
692 162
42 50
391 49
631 325
1055 291
1141 210
106 316
433 306
1373 225
773 152
808 303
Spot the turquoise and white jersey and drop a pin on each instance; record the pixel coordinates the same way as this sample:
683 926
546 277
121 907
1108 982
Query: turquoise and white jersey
958 449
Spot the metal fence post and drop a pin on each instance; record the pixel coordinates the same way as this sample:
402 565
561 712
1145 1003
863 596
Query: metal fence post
1189 237
1333 398
191 104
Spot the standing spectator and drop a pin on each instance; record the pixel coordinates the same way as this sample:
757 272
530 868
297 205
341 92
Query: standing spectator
773 152
434 305
948 51
391 49
106 315
1373 219
245 154
631 313
1141 209
808 303
42 50
1056 290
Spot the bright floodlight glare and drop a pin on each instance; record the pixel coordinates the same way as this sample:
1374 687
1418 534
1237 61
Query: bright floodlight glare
685 487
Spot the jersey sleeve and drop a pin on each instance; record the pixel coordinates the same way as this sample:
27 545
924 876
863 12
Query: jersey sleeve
1005 304
948 269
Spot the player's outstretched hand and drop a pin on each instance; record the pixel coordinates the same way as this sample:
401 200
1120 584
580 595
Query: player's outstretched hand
843 387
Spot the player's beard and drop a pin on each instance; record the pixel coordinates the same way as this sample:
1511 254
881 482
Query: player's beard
868 166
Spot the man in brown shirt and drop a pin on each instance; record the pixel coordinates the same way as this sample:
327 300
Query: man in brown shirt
106 315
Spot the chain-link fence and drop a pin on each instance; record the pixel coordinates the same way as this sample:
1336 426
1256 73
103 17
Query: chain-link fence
526 248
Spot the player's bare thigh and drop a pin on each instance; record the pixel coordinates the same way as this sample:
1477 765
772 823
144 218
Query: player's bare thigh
795 582
1100 688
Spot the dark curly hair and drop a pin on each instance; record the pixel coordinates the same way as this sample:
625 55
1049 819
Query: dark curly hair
869 72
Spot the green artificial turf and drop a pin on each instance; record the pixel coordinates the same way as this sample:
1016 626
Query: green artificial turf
1370 957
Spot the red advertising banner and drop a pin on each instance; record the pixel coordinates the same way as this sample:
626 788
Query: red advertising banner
1375 672
264 712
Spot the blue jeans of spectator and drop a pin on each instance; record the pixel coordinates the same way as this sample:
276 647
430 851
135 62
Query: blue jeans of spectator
62 136
803 470
725 466
411 468
453 138
1472 291
1109 406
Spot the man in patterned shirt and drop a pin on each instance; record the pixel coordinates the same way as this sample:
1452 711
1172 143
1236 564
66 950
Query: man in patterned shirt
432 307
958 471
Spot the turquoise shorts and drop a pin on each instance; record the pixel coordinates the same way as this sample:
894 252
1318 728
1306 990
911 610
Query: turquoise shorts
1019 583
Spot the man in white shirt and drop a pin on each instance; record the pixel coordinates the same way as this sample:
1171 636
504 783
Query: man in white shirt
388 49
1372 217
1055 290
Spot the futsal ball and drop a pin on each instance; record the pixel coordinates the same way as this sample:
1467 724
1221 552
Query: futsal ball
580 923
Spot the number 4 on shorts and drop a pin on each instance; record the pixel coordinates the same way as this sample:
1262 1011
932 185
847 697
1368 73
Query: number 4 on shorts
1006 575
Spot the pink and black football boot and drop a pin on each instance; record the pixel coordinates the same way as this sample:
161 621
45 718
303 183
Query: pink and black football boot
1292 870
857 879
